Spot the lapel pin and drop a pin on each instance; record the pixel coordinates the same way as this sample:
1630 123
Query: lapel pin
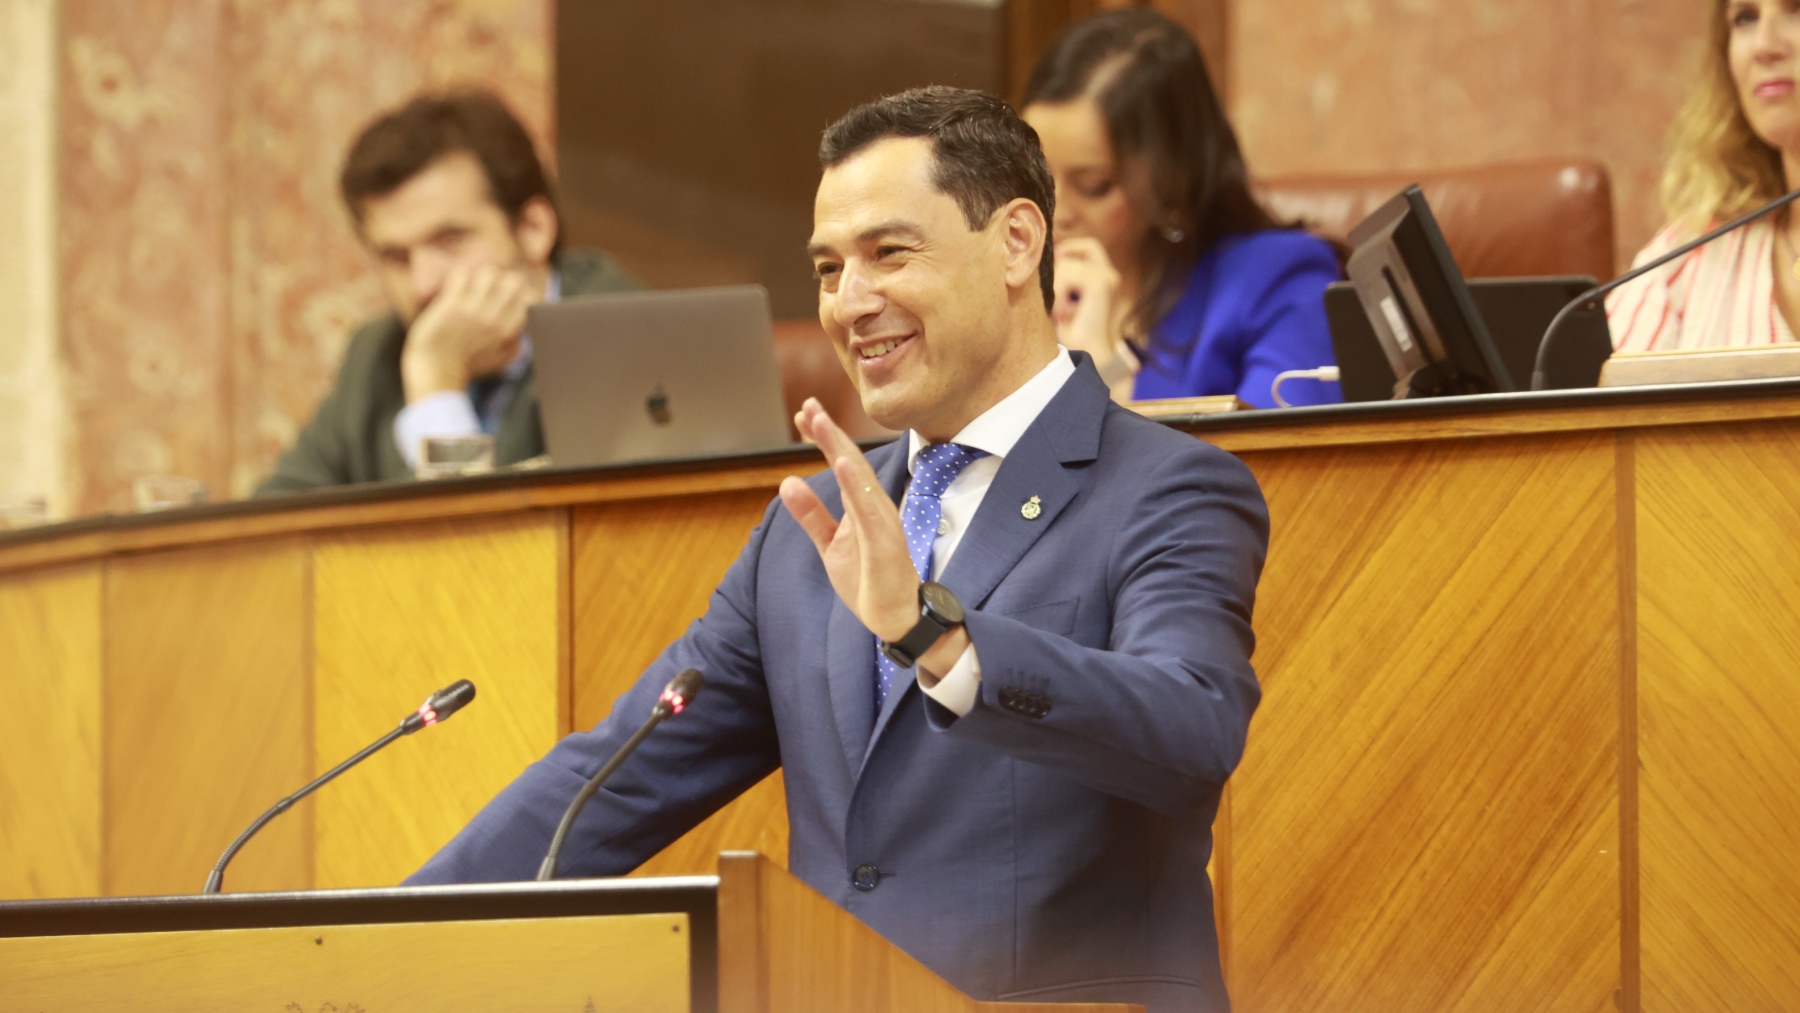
1032 508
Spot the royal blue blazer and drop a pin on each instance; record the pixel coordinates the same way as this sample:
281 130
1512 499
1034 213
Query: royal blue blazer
1253 306
1050 845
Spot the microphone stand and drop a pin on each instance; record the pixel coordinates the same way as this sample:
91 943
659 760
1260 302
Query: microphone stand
436 708
1590 299
675 698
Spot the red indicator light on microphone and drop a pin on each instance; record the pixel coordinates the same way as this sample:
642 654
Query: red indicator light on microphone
428 715
675 702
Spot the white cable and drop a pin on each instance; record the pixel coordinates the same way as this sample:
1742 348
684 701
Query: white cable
1328 374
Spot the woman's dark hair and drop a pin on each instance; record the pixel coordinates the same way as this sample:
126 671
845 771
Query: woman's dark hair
402 143
1168 130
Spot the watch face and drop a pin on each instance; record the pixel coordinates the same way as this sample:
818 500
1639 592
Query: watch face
941 602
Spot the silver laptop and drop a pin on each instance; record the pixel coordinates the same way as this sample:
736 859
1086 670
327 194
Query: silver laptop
645 375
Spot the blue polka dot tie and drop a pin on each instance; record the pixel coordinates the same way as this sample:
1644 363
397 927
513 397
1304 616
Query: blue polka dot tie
920 513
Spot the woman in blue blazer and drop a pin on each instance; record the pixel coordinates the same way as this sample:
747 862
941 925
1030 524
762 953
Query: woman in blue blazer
1168 271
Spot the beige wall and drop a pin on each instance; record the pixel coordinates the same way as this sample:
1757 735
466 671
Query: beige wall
209 277
1377 85
207 280
31 396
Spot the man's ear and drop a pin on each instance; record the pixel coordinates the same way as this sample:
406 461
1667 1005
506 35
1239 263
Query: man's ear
536 231
1023 232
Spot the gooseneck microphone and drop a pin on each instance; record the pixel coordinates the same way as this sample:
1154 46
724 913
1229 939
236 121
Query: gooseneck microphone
680 692
436 708
1590 299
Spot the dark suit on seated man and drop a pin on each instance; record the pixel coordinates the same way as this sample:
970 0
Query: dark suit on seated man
1011 768
450 198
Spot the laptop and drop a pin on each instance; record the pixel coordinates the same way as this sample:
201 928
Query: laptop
643 376
1516 311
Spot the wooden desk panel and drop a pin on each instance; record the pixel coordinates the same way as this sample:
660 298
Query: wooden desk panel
1475 618
1433 763
398 614
207 671
50 733
643 571
1719 717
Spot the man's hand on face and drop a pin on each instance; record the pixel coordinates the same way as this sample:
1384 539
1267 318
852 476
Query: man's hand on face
864 553
470 329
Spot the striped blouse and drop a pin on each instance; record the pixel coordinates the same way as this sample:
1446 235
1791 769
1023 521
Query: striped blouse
1722 294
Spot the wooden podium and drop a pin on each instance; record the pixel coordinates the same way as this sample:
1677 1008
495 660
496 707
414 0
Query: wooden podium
752 939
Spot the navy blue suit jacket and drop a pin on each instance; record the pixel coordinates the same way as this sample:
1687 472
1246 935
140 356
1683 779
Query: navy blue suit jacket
1050 844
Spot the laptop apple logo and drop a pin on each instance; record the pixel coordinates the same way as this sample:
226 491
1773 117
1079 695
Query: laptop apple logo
657 404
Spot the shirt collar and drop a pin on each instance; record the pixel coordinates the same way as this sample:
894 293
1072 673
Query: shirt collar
521 359
998 428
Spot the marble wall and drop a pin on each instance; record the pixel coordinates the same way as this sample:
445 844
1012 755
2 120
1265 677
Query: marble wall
194 279
1378 85
209 276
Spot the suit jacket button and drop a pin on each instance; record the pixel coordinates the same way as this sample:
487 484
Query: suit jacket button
865 878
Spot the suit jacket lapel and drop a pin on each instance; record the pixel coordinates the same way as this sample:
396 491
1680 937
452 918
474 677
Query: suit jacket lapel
1066 432
850 647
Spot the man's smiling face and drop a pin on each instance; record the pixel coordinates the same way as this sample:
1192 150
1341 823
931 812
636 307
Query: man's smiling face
915 301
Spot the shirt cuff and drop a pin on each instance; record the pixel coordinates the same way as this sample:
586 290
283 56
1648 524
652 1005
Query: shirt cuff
957 690
445 413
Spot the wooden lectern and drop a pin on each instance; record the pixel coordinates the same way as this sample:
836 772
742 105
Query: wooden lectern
752 939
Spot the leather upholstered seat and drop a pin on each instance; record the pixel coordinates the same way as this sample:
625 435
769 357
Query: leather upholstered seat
1526 218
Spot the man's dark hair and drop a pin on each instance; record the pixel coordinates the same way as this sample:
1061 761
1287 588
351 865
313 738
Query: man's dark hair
402 143
985 155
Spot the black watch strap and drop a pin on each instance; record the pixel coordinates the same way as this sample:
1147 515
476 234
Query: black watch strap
939 613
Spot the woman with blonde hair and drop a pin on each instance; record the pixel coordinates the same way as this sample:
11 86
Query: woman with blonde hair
1735 145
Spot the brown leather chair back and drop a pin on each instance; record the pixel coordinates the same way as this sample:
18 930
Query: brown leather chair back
1525 218
810 368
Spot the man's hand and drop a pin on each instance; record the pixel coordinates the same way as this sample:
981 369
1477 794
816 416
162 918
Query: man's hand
470 329
864 553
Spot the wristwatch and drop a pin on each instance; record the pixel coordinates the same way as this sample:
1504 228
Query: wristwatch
939 613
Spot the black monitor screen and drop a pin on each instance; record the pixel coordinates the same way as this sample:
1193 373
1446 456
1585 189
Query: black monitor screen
1414 295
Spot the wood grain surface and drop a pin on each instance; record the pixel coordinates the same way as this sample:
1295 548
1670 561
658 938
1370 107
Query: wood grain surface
606 964
642 572
208 721
50 732
785 948
1718 708
399 614
422 502
1425 818
1295 432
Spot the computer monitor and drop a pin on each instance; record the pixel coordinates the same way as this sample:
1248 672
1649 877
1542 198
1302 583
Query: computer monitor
1435 341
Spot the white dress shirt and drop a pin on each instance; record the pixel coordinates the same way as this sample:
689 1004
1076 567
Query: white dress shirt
995 431
452 412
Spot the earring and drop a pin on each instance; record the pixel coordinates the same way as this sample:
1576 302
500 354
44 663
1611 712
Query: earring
1173 234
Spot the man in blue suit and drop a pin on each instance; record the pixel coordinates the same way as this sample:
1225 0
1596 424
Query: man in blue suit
1009 768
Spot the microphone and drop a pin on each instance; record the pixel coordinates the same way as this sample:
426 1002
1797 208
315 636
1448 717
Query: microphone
680 692
436 708
1590 299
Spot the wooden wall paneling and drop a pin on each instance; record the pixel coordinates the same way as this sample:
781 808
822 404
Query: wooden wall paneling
398 614
208 716
1718 704
1425 818
642 572
1625 485
1032 25
50 730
